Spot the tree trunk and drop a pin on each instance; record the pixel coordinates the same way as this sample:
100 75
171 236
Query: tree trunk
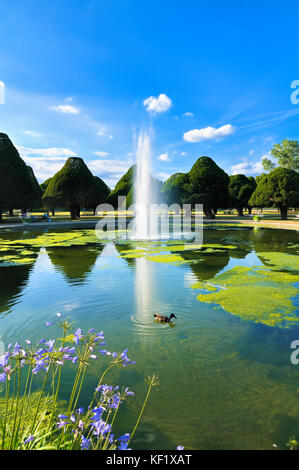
215 211
240 211
53 212
208 213
78 212
73 211
283 212
249 210
1 220
10 212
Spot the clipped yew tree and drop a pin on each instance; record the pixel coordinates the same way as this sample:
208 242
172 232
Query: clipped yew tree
208 185
70 187
279 188
17 184
240 190
124 187
98 194
175 189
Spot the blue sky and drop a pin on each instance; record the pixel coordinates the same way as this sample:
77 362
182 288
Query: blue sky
82 77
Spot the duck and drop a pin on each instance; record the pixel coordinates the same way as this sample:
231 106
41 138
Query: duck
164 318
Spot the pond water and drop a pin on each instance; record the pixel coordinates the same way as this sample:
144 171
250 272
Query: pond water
226 380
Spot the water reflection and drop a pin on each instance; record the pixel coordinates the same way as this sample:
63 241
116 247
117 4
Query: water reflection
74 262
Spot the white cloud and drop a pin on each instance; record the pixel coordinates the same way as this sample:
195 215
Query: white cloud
251 152
164 157
33 133
188 114
45 162
163 176
101 154
45 168
46 152
158 104
110 170
197 135
183 154
249 168
66 109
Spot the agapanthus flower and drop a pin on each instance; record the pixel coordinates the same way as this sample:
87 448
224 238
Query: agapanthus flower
78 335
180 448
124 437
85 443
123 446
29 439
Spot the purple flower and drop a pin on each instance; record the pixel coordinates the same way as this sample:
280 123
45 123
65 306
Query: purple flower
49 323
180 448
29 439
78 335
2 377
85 443
123 446
124 438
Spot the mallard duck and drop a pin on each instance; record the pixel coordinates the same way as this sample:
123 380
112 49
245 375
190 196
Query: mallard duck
164 318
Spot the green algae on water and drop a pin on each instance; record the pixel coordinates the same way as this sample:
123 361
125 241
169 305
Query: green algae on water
262 295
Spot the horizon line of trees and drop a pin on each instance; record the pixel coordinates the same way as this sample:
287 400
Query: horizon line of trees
74 187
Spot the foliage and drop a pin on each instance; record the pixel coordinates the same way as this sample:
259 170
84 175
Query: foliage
29 421
44 185
17 184
70 187
208 185
240 190
279 188
98 193
124 187
287 154
175 189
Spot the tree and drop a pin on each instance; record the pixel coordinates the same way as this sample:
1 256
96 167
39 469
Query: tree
208 185
279 188
240 189
17 183
124 187
175 189
70 187
286 154
98 193
43 187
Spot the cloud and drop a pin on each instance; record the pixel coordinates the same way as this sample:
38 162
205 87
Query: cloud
164 157
110 170
183 154
163 176
46 152
44 167
101 154
188 114
33 134
197 135
159 104
66 109
249 168
45 162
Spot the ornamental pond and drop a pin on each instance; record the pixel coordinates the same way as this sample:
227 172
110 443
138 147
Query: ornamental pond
226 380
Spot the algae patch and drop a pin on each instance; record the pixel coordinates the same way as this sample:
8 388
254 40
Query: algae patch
259 294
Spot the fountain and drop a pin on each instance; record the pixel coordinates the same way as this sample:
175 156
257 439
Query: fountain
146 221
